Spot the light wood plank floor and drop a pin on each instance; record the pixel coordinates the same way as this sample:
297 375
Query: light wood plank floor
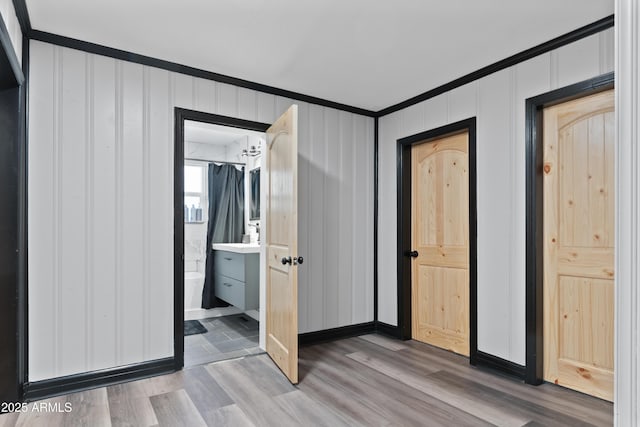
370 381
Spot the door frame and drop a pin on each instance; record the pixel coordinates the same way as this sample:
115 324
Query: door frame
534 353
404 226
182 114
13 217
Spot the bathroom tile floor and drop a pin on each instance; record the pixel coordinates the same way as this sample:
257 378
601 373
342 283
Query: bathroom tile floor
228 337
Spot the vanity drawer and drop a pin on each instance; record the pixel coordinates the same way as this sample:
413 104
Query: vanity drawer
230 290
229 264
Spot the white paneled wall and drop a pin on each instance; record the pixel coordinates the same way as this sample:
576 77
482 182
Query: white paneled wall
101 208
8 13
498 102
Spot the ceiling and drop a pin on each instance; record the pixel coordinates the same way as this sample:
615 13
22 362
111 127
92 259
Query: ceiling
208 133
363 53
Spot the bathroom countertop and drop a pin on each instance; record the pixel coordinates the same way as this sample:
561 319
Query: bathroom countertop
240 248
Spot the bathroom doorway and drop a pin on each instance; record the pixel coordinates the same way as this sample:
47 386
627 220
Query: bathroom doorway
219 257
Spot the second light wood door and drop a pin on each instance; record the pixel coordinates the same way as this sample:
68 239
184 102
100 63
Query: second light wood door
579 244
440 236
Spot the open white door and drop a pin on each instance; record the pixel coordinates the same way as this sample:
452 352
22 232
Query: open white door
281 240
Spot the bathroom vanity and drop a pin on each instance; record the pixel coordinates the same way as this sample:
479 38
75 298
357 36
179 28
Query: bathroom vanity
237 274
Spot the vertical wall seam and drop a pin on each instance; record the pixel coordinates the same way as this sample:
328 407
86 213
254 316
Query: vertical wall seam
215 97
554 69
146 211
371 168
216 105
118 208
256 103
632 79
325 136
236 94
171 184
338 231
512 190
308 210
344 174
57 214
274 112
325 290
194 94
354 223
89 214
477 106
601 52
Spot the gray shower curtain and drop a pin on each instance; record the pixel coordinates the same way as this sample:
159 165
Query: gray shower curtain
226 220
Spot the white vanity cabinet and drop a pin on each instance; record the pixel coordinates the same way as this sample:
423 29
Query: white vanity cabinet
237 276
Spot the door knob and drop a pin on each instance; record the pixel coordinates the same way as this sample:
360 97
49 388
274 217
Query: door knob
298 260
286 260
412 254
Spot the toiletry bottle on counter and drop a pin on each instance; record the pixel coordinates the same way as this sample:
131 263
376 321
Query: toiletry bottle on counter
192 213
198 214
186 213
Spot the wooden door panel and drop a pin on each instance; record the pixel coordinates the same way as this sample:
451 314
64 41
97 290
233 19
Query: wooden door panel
279 342
444 320
442 178
440 234
586 182
578 244
281 240
586 320
585 336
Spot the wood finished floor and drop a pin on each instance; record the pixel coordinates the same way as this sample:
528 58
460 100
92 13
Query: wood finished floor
363 381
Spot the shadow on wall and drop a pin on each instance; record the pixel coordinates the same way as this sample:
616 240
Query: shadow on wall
325 239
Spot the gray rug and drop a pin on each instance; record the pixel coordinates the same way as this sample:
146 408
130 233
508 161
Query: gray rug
193 327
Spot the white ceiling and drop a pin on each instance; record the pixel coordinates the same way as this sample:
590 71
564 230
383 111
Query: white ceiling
207 133
364 53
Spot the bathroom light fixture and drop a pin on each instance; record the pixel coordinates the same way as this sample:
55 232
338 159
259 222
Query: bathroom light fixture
252 152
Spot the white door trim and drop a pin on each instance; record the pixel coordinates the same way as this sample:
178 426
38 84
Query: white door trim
627 358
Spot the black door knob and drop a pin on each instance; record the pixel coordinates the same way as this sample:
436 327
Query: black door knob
286 260
298 260
412 254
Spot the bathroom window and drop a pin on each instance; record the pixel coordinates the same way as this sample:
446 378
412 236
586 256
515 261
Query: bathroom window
195 192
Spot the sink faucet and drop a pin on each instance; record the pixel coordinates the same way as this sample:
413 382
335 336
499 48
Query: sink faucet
257 227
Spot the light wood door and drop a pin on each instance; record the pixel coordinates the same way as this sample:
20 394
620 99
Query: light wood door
440 235
578 244
281 239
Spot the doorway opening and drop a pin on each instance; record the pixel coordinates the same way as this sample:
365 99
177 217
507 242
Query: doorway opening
462 138
218 253
550 156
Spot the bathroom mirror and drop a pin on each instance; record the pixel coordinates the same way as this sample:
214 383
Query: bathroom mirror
254 176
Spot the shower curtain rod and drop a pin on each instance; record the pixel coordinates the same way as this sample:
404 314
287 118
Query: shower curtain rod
215 161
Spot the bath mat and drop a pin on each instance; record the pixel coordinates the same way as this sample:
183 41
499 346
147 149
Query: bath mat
193 327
